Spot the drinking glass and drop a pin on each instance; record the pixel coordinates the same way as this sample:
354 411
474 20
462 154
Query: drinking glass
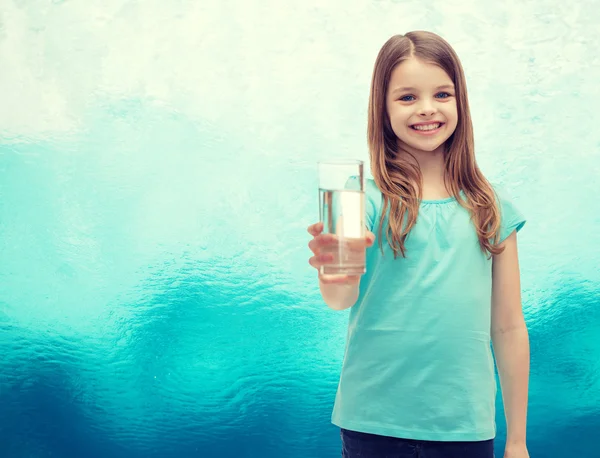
342 212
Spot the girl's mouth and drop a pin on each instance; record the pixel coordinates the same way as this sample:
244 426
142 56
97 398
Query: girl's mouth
427 129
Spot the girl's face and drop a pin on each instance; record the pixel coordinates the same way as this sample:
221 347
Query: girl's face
421 105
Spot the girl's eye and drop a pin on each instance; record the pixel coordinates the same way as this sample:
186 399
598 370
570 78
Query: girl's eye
410 98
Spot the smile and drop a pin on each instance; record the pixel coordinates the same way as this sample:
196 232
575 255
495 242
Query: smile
427 129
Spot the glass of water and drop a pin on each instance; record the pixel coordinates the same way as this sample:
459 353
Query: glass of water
342 212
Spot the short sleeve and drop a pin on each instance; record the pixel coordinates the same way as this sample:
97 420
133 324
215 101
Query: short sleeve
370 209
511 218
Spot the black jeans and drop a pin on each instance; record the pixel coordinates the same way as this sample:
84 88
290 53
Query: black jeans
362 445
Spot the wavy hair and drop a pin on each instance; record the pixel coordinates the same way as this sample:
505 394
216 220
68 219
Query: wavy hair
399 180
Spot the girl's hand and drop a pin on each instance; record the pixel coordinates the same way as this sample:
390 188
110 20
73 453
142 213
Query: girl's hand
320 258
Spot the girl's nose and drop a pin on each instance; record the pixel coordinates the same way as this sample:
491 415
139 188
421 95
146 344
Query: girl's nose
427 109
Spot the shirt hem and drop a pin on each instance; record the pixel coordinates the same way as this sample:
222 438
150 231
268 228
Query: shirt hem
393 431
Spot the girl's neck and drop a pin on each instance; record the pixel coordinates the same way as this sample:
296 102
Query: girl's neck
432 167
431 163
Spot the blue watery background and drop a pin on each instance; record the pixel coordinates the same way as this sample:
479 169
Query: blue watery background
157 175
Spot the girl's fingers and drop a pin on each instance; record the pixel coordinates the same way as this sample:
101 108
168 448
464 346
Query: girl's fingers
340 279
315 229
320 260
320 241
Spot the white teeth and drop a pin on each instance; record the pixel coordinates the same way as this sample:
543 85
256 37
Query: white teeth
427 127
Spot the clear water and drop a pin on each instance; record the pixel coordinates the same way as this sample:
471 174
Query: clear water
158 173
343 214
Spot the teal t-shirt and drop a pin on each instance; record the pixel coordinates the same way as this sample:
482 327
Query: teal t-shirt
418 362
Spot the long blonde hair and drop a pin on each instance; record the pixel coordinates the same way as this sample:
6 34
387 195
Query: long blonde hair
400 180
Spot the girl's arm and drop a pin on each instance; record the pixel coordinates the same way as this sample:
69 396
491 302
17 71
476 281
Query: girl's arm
510 340
339 297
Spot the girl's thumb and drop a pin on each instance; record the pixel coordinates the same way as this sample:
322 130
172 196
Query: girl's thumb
370 238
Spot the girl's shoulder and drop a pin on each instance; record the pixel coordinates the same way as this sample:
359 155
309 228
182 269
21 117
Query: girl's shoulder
373 195
371 188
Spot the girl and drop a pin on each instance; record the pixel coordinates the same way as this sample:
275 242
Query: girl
418 372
